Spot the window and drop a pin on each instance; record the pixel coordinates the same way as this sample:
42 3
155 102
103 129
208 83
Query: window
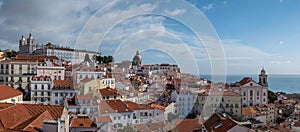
35 87
49 87
54 77
59 77
251 93
42 87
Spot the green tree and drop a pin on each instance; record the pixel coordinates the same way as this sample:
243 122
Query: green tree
271 96
11 54
104 59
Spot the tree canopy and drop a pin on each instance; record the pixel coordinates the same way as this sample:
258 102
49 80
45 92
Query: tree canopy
271 96
105 59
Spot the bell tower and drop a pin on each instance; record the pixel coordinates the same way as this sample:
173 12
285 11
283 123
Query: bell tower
263 78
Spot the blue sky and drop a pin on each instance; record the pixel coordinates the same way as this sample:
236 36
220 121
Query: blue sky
253 33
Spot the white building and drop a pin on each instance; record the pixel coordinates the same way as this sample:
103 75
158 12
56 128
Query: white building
17 73
163 68
62 89
185 103
253 93
109 82
65 53
52 69
89 72
127 113
41 87
83 104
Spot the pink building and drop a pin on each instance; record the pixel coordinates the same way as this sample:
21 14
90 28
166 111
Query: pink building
52 69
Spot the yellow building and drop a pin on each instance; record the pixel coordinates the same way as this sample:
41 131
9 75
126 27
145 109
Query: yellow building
87 85
10 95
271 113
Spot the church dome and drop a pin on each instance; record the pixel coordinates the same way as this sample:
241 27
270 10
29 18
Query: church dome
30 36
23 39
137 57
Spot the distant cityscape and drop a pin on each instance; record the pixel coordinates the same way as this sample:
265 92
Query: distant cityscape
53 88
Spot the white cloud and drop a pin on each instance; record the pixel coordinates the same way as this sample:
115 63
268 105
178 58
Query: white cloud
281 42
207 7
175 12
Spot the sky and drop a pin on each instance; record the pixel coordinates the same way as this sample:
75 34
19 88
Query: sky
201 36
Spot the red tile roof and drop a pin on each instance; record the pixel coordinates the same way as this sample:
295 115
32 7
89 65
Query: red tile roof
108 91
20 116
113 106
37 122
35 57
188 125
135 106
245 80
8 92
82 123
217 123
248 111
84 97
62 83
85 80
5 105
103 119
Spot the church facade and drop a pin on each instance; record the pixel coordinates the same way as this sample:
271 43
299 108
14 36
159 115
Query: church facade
253 93
27 46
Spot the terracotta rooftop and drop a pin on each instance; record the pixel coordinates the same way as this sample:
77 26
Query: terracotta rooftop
188 125
135 106
5 105
85 80
217 123
8 92
84 97
108 91
82 123
245 80
103 119
57 83
113 106
23 117
35 57
248 111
